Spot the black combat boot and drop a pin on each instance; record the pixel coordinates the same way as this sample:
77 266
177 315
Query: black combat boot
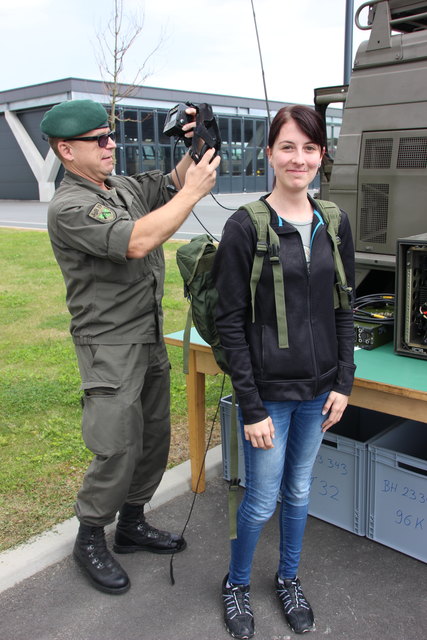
90 551
133 533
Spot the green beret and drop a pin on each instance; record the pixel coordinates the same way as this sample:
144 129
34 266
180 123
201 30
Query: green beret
73 118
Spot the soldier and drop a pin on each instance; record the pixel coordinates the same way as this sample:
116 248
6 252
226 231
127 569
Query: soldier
107 234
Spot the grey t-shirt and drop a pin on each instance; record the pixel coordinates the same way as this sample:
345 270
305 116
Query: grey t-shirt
304 229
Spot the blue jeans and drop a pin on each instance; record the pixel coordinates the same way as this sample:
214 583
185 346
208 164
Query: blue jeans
286 469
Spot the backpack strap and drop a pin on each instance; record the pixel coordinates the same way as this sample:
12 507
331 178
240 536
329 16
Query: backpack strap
332 216
233 489
268 241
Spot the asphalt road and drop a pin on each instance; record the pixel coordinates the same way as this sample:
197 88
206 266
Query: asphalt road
209 213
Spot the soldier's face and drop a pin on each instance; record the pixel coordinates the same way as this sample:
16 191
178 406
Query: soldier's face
91 161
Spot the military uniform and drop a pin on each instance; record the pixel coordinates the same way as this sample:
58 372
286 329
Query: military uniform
116 326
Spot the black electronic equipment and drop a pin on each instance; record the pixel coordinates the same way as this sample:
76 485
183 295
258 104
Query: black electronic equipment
368 335
206 132
177 117
410 336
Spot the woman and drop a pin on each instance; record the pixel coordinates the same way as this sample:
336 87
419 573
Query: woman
287 397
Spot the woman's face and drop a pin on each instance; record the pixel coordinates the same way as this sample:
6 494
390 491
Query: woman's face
294 158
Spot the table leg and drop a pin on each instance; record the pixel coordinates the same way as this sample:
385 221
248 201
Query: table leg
196 423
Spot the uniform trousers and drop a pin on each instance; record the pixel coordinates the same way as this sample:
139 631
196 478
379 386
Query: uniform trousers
126 425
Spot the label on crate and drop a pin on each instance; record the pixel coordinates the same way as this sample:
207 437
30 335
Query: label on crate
410 510
398 513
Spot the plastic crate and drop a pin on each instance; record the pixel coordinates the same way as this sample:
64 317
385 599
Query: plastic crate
398 489
339 490
225 417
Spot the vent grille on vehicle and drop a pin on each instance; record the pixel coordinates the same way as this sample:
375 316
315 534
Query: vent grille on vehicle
378 153
374 213
412 153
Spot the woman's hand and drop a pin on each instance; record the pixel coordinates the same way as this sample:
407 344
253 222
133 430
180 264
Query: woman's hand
260 434
335 406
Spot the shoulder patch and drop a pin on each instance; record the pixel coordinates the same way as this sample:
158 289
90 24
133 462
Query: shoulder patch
102 213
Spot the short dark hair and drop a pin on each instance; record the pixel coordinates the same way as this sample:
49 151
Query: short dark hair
307 119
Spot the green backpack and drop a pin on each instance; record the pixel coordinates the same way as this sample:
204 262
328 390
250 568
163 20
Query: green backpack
195 260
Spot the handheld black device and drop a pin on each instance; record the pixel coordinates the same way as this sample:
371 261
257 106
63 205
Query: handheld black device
176 119
206 132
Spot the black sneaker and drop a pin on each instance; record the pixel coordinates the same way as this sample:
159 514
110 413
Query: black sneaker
298 612
238 616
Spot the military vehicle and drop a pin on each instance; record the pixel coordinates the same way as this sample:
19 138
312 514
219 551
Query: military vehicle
378 172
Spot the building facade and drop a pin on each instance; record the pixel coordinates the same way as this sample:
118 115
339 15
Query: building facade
30 171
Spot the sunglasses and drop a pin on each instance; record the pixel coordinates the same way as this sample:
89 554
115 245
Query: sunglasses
102 140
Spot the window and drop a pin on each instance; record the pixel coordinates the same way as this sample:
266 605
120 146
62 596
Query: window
148 157
165 164
248 132
223 130
131 126
236 131
249 161
132 160
147 126
260 162
236 161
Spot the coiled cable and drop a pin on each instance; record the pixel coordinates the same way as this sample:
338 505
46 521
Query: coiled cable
377 308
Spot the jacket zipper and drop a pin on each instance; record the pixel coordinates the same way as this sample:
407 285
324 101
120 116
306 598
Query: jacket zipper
313 358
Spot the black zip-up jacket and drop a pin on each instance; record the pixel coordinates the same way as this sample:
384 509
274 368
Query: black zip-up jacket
321 340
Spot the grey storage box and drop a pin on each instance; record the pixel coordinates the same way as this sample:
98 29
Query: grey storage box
398 489
340 474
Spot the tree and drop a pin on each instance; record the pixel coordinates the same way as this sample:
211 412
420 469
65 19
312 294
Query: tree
121 32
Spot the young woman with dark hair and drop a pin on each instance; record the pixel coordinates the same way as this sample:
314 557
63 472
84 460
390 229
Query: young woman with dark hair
287 397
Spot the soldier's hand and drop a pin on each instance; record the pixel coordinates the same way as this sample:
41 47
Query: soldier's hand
201 177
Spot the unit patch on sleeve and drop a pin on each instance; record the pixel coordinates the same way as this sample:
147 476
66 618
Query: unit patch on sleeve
102 213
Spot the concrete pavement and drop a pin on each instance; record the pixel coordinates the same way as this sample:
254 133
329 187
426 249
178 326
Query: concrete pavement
359 589
209 214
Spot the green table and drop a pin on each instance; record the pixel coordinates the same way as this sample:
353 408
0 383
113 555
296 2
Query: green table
384 382
390 383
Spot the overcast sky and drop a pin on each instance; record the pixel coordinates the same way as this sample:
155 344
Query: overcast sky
205 45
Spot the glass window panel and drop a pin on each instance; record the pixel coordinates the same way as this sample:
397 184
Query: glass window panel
236 130
132 160
333 140
260 162
148 157
223 130
131 126
248 126
260 140
224 167
165 159
249 161
236 161
147 125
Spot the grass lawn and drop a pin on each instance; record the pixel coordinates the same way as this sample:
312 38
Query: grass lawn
43 457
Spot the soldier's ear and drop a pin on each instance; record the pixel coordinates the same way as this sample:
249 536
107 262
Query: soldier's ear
65 150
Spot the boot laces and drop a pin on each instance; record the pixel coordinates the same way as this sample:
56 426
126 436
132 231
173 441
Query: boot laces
98 552
292 596
237 602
